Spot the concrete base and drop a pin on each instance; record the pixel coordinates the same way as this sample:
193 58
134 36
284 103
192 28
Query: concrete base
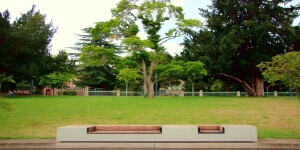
170 133
52 144
154 145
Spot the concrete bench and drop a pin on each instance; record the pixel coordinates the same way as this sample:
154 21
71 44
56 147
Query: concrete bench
157 133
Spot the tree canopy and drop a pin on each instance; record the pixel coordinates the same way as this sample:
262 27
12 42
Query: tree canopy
238 36
284 68
152 15
128 75
24 44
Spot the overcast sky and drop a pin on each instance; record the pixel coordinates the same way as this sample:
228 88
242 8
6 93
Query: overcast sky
70 16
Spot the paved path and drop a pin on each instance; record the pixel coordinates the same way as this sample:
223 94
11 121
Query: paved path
52 144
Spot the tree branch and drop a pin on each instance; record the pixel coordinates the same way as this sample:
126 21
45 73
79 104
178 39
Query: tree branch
245 85
167 38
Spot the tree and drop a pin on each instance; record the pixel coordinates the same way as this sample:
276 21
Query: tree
24 85
128 75
97 65
61 63
194 71
179 70
240 35
55 80
5 78
152 15
283 68
98 60
24 44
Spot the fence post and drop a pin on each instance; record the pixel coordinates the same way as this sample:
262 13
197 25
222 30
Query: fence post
275 93
238 93
118 92
86 91
201 93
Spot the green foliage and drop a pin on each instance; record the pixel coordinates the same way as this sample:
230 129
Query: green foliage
217 86
61 63
97 66
24 85
134 43
175 70
94 56
98 59
283 68
241 34
55 80
69 93
152 15
194 70
128 75
24 44
5 78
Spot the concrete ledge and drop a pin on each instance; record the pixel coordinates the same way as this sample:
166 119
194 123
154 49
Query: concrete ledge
32 143
279 143
51 144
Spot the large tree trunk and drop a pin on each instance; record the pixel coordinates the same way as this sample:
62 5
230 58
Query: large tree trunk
258 86
151 88
145 85
227 86
150 83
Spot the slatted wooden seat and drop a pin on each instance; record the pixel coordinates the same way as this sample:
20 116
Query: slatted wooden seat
125 130
210 129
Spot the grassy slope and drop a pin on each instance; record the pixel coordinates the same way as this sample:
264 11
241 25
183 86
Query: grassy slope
38 117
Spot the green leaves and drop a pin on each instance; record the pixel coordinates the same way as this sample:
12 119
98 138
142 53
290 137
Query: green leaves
189 23
128 75
24 85
182 70
56 79
94 56
284 68
134 43
24 43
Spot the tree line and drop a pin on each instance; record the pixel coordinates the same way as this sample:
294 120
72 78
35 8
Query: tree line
233 50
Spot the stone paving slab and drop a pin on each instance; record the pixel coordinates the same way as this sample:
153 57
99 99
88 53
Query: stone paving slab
264 144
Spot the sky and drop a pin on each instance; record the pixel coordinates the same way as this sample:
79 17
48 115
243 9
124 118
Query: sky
70 16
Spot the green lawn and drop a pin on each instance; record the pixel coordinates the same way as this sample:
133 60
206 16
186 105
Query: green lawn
38 117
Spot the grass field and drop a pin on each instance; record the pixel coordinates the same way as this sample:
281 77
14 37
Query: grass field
38 117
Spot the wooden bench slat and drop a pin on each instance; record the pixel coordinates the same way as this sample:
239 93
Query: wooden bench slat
126 132
126 128
210 129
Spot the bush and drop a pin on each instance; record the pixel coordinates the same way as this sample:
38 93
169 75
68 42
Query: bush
67 93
